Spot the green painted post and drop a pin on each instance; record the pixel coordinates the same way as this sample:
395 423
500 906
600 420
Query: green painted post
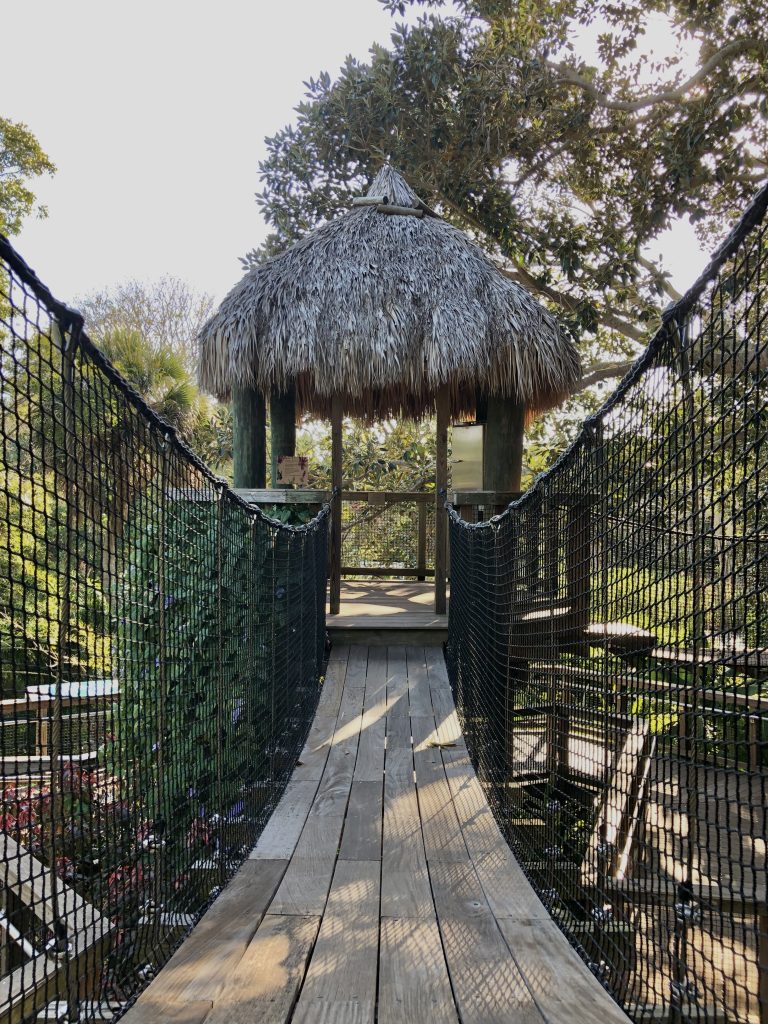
282 421
249 441
503 445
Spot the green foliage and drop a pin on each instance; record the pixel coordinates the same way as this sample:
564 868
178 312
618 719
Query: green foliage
389 456
167 313
21 158
201 656
32 533
556 134
149 331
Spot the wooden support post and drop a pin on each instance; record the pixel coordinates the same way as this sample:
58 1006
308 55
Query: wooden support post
336 483
421 548
503 444
578 560
249 438
282 422
441 486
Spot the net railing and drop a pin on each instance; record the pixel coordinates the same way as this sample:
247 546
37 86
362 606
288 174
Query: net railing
162 646
608 651
387 534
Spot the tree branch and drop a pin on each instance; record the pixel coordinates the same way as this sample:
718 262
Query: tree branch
671 291
670 95
521 276
598 373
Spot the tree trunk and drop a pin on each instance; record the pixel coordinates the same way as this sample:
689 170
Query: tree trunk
249 441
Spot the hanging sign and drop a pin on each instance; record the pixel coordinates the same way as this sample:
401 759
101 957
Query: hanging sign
293 469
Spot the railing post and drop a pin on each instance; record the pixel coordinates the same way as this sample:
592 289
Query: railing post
68 341
421 546
222 865
336 482
441 485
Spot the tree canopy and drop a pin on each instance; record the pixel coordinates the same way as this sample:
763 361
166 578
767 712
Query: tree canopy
149 331
165 312
21 159
552 131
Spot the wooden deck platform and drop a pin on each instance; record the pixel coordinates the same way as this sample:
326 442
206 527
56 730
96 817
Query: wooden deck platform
381 889
385 612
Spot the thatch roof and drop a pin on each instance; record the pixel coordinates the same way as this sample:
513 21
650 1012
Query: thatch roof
384 308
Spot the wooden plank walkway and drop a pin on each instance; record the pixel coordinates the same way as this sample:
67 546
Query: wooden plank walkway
381 889
387 612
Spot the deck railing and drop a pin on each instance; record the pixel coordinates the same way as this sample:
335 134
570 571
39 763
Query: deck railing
161 653
613 678
386 534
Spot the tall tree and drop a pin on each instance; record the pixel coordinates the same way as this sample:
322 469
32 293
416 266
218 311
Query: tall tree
167 313
149 330
565 158
21 159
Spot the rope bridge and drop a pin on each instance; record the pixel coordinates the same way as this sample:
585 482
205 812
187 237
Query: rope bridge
162 645
163 652
608 653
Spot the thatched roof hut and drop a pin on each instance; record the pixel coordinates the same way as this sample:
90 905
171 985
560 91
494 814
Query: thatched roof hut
382 306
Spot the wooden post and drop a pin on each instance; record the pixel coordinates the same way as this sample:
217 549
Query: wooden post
282 422
578 567
249 438
336 483
421 544
441 486
503 444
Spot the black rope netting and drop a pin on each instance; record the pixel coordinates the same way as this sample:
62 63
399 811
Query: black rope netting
608 651
162 645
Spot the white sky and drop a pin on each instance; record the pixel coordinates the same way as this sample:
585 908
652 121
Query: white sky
155 114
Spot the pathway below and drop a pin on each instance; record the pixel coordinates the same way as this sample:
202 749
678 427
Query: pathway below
381 889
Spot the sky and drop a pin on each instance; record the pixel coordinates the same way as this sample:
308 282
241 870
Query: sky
155 114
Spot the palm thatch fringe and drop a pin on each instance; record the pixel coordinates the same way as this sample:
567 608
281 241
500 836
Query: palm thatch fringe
384 310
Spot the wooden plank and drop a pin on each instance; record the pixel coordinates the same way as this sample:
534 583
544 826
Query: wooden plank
362 828
487 984
405 890
376 679
507 890
340 985
353 697
197 970
443 839
335 677
419 698
564 988
30 880
29 987
446 719
384 570
370 755
282 496
264 985
151 1011
313 758
387 637
397 682
414 985
304 888
282 831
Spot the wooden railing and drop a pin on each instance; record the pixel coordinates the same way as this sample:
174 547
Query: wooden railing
377 537
84 715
